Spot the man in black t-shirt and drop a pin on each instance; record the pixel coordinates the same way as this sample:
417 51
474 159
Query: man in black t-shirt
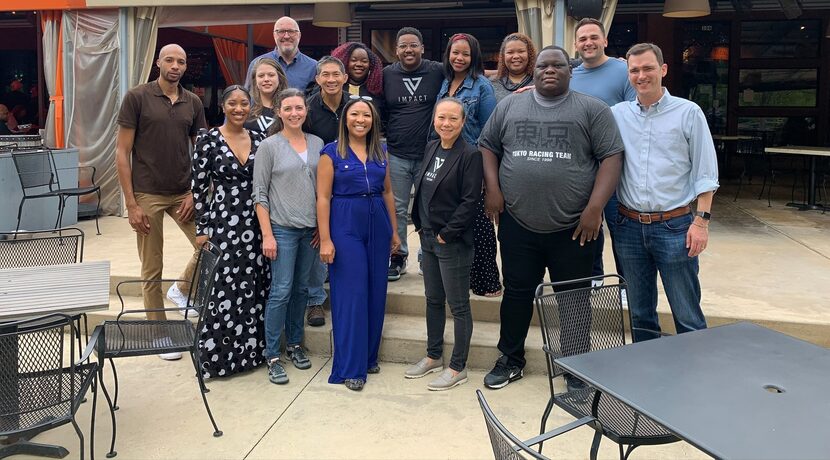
410 88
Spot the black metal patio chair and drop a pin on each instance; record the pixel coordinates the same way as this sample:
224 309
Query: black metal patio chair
124 337
46 247
506 446
41 385
577 318
39 178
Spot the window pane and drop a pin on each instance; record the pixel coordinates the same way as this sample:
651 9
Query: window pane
778 88
621 37
780 130
780 39
705 59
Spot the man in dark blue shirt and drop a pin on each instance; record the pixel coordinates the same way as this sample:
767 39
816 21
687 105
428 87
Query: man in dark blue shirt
299 68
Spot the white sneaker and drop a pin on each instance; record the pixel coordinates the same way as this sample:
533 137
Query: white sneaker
170 356
175 295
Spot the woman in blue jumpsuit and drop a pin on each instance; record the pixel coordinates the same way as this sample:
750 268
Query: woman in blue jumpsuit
355 218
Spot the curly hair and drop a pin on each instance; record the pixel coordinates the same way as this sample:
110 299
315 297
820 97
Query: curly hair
531 54
374 81
256 96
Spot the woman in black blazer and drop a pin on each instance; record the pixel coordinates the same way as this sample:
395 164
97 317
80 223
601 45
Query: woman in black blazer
446 193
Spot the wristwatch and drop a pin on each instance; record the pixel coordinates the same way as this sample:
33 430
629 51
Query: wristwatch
703 215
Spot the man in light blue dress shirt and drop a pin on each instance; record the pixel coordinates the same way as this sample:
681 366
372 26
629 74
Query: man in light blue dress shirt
670 162
299 68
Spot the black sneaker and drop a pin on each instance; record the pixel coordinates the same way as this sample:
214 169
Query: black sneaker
276 373
297 356
502 374
574 384
397 267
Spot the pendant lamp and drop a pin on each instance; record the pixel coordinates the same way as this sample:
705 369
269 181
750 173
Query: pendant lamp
686 8
335 14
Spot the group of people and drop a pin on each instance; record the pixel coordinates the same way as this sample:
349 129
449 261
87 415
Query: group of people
298 185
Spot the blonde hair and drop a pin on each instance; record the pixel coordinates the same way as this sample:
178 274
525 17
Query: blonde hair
256 96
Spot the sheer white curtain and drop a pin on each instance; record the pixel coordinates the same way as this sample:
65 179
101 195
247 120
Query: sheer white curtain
91 53
142 33
51 23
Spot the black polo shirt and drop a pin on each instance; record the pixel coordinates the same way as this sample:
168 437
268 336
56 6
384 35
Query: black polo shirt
321 121
161 149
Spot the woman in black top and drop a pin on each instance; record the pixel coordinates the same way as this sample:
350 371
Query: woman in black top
447 190
267 80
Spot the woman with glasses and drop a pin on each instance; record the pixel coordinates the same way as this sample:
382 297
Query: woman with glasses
517 57
356 217
267 80
285 179
465 81
232 338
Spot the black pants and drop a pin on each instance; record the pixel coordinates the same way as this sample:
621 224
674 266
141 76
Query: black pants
524 257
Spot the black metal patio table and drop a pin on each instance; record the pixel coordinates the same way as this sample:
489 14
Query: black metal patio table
738 391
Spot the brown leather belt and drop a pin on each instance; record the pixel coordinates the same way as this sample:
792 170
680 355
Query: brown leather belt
651 217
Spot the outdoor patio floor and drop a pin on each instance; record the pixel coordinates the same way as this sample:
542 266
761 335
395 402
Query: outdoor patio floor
767 265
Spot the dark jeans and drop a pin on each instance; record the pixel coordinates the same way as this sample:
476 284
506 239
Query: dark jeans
524 257
611 212
447 277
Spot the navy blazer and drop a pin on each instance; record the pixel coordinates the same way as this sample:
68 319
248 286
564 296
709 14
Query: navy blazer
452 206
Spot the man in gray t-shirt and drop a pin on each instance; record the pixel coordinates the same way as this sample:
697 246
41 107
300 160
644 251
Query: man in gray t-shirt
552 158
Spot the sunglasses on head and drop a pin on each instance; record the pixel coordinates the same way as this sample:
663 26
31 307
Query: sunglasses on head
355 97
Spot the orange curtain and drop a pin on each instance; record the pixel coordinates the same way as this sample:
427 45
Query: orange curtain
57 97
232 58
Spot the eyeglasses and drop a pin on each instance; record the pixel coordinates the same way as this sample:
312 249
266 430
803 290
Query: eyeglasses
355 97
290 32
412 46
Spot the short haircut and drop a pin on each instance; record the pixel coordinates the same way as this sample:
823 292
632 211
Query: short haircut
556 48
476 65
410 31
641 48
453 100
585 22
330 60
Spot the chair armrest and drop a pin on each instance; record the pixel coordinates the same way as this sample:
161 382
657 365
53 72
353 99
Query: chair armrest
94 170
91 345
651 331
135 312
118 286
561 430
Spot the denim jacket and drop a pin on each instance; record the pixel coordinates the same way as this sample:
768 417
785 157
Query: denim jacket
479 100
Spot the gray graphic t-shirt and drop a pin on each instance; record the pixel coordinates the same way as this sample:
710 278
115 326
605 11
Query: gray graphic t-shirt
549 155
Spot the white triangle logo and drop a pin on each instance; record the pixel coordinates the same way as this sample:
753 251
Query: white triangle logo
412 84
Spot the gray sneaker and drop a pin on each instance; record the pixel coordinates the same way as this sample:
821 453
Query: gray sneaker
422 368
297 356
276 373
446 380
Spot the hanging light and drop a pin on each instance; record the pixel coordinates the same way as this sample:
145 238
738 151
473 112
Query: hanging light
686 8
335 14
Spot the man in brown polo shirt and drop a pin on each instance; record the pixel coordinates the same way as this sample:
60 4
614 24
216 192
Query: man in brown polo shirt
158 122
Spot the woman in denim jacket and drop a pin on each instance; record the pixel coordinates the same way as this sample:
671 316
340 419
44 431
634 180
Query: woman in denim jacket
466 82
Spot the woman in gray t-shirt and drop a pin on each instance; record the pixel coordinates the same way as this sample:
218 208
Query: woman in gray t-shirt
517 57
285 180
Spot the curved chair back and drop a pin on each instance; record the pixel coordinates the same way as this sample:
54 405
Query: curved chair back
36 248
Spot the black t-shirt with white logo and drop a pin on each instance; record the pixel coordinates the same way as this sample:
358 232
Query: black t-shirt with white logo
428 183
410 98
262 122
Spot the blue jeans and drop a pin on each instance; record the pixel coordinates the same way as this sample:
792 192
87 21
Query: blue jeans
403 173
316 292
290 275
644 250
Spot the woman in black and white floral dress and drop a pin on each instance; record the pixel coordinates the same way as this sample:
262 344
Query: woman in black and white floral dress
233 338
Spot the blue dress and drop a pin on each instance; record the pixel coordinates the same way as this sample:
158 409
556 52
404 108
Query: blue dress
361 232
